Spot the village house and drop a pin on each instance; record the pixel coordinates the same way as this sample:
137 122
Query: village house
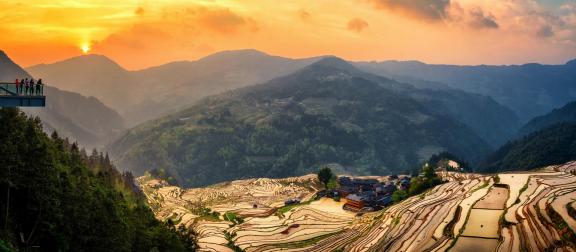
368 194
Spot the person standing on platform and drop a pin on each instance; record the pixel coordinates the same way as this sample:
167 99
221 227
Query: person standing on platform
39 87
31 87
17 82
26 85
21 85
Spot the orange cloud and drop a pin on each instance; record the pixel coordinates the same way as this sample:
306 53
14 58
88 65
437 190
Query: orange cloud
357 24
223 20
139 11
430 10
303 15
481 20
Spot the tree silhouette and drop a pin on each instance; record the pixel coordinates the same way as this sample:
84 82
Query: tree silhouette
324 175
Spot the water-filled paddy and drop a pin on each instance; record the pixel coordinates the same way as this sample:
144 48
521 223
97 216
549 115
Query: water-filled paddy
495 199
483 223
466 244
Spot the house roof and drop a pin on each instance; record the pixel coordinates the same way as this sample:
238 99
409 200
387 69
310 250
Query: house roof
353 197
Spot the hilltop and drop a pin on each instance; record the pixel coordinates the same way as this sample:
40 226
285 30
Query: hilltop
328 112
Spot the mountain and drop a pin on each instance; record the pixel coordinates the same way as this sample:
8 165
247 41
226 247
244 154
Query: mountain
565 114
55 197
91 75
493 122
167 89
84 119
150 93
550 146
530 90
328 112
9 71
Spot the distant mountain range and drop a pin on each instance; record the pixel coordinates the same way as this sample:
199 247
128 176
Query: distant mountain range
150 93
530 90
328 112
84 119
485 105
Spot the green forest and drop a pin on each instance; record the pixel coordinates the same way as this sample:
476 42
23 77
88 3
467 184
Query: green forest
57 197
553 145
324 114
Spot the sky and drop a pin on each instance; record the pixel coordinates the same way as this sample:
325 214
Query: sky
143 33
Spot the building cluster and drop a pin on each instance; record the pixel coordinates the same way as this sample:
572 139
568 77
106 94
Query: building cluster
369 194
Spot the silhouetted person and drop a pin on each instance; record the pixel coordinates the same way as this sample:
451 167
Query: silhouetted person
27 86
39 87
31 87
17 82
21 85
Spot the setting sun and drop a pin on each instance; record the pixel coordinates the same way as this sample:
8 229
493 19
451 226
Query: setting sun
85 48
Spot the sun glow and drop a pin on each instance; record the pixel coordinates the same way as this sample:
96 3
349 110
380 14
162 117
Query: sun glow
85 48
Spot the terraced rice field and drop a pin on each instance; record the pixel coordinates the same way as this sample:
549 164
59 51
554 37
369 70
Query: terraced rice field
470 212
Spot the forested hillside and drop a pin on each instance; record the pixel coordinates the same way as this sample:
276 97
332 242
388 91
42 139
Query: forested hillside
552 145
56 197
567 113
328 112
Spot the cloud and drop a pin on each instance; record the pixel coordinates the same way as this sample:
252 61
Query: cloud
223 20
545 32
480 20
135 37
357 25
428 10
303 15
139 11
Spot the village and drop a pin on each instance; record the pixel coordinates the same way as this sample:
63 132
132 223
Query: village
374 193
363 194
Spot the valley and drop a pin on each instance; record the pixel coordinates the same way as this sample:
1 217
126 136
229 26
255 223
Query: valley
268 126
504 212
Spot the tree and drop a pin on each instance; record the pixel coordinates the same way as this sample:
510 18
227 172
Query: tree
428 171
399 195
324 175
333 183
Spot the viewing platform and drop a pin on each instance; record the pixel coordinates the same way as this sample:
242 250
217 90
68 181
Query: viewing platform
21 97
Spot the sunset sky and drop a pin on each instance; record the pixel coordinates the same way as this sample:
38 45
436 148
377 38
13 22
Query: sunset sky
143 33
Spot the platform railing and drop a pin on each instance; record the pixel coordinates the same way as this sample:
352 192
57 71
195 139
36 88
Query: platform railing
9 89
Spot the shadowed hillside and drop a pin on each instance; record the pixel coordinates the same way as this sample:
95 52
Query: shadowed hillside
567 113
328 112
530 89
549 146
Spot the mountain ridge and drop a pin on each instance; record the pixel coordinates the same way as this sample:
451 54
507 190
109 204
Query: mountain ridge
329 110
566 113
529 89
